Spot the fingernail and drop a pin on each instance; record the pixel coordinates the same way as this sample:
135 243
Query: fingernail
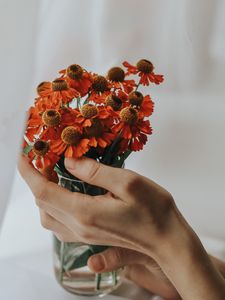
97 262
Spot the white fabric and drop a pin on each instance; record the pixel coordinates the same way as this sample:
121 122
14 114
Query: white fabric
184 39
17 40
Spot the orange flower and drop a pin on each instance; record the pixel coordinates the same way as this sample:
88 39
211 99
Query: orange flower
77 78
99 90
116 76
70 143
143 104
47 124
114 102
42 156
144 69
33 124
58 91
88 112
106 109
132 130
98 134
44 103
136 143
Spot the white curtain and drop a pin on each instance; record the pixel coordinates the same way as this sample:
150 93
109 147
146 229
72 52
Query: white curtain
185 39
17 48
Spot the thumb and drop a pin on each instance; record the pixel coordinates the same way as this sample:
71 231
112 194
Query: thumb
114 258
95 173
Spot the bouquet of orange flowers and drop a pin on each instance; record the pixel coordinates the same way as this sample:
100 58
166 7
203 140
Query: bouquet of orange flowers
81 113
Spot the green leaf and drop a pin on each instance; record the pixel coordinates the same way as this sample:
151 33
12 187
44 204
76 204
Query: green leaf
79 261
97 249
56 245
110 152
27 149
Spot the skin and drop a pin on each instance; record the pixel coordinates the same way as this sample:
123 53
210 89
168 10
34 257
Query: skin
139 219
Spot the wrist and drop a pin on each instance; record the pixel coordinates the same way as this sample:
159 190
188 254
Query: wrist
178 240
185 262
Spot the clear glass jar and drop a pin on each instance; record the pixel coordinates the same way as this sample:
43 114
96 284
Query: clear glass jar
70 259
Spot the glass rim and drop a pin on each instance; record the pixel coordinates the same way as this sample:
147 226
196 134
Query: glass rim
70 179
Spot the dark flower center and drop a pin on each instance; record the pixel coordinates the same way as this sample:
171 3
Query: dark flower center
40 148
114 101
70 136
145 66
89 111
51 117
129 115
135 98
100 84
74 72
116 74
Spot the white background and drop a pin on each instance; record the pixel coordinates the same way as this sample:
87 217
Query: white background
185 39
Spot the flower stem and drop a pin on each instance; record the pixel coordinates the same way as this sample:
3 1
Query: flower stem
98 281
114 275
138 85
61 262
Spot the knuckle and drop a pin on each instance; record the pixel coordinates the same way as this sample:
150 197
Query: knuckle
132 182
167 201
115 257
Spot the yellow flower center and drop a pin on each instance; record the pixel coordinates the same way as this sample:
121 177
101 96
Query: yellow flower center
135 98
95 129
129 115
40 148
74 72
114 101
59 85
70 135
89 111
100 84
145 66
116 74
51 117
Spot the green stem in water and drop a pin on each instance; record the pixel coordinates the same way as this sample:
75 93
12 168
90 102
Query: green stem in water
114 275
61 272
98 281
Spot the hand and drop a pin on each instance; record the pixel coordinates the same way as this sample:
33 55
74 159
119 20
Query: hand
135 214
139 268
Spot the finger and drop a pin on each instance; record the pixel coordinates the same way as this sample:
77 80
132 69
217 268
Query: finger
115 180
50 194
63 233
115 258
